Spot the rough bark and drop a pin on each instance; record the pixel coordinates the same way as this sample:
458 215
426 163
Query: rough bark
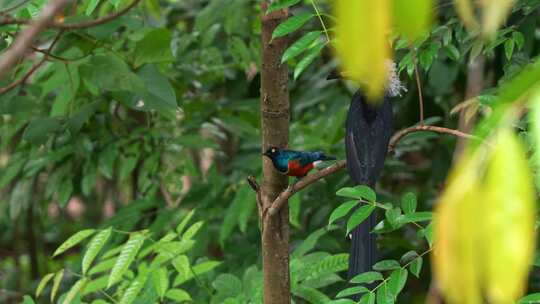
275 132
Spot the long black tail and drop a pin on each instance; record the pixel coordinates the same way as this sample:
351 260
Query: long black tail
368 132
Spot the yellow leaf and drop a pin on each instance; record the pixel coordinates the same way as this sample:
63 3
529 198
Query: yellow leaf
412 18
361 44
484 225
465 11
493 14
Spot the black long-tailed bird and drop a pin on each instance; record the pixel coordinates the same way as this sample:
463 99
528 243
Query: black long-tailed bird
368 132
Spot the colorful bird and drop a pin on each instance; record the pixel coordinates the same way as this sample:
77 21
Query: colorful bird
295 163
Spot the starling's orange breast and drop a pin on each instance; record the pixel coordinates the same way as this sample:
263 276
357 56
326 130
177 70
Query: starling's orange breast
295 169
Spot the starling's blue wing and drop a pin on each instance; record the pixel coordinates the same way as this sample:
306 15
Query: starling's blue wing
368 131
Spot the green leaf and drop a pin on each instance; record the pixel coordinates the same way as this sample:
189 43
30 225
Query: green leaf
416 266
291 24
95 245
397 281
92 4
159 94
155 47
43 283
308 244
178 295
300 45
452 52
415 217
12 170
56 283
181 264
358 192
519 39
408 203
161 281
133 290
341 211
428 234
127 255
386 265
509 48
367 277
184 222
277 5
307 60
227 284
392 215
75 290
330 264
368 298
110 73
28 300
476 49
198 269
240 52
352 291
530 298
191 231
359 216
311 295
74 240
384 296
39 130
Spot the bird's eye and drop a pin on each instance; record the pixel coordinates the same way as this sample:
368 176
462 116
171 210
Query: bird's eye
273 150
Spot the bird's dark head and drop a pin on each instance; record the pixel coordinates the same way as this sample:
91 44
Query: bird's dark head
271 152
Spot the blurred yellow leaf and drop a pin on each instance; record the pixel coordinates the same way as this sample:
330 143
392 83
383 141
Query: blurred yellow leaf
493 14
484 228
535 130
362 27
412 18
465 10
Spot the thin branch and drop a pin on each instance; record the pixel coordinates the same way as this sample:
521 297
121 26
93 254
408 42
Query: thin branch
425 128
419 86
23 79
78 25
34 68
301 184
18 48
252 181
312 178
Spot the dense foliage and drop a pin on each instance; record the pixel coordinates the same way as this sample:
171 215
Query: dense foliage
123 155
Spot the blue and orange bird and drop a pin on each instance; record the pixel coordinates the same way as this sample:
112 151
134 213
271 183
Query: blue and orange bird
295 163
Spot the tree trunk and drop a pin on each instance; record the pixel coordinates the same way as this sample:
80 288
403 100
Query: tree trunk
275 133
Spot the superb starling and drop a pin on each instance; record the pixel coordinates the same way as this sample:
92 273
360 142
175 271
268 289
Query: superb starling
367 134
295 163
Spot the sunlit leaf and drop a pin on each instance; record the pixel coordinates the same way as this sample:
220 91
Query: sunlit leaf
412 18
341 211
133 290
352 291
291 24
362 43
127 255
484 227
465 11
43 283
300 45
358 192
95 245
75 290
367 277
56 283
493 14
386 265
74 240
307 60
359 216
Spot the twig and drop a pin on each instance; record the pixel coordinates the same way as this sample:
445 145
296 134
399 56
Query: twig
310 179
19 47
419 86
255 187
301 184
78 25
23 79
33 68
402 133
